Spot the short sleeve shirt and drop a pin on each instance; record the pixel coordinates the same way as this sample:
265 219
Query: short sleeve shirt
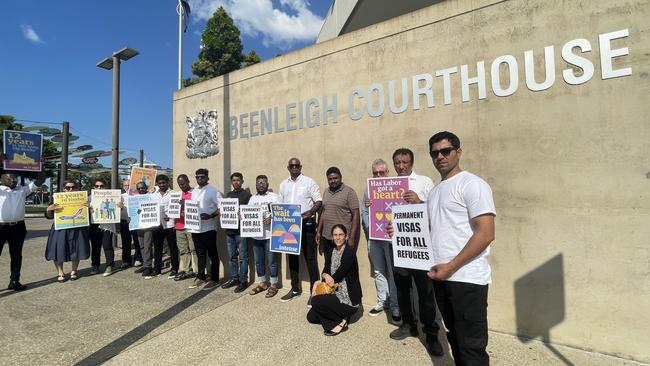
303 191
209 198
337 209
421 185
265 200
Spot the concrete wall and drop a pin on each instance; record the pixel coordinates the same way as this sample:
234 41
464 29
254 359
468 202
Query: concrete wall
569 165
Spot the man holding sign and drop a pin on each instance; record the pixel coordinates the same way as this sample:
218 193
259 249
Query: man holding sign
237 246
461 216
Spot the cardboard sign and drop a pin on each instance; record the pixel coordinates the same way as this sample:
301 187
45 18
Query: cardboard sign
229 209
384 193
192 217
146 175
411 239
104 206
23 150
286 228
149 214
174 208
252 221
73 212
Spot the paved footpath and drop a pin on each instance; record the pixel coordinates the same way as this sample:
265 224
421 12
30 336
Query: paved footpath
126 320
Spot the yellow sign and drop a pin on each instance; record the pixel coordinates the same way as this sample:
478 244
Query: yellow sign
73 211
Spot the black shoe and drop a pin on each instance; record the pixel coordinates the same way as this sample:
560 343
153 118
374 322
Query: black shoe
396 318
140 269
230 283
147 272
290 296
433 346
16 286
241 287
404 330
329 333
172 274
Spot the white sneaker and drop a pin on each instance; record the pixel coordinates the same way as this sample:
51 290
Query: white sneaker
376 310
137 264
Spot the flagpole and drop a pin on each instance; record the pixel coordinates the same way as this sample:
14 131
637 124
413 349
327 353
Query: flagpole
180 11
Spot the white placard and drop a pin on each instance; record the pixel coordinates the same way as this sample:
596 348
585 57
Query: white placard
252 221
229 208
411 239
174 208
149 215
192 217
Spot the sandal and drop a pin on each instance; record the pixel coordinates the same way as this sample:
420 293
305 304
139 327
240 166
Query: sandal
261 287
272 291
60 279
73 275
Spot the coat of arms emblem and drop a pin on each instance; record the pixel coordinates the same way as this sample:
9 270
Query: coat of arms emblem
202 138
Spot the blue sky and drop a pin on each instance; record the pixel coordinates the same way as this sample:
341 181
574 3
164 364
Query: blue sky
50 49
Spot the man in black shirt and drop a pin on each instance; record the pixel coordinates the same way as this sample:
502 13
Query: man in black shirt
237 246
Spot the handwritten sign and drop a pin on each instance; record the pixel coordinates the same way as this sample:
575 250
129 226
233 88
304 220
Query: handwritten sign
411 240
286 228
384 193
252 221
192 217
73 212
229 210
174 209
23 150
149 214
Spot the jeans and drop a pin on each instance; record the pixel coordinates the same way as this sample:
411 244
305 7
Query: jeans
261 250
238 251
381 257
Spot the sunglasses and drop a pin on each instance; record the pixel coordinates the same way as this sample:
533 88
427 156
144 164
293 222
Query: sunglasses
261 184
68 187
294 165
99 186
445 152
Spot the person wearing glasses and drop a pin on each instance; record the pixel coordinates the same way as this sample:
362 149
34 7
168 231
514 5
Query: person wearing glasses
381 256
205 240
12 220
66 245
101 236
419 188
148 248
302 190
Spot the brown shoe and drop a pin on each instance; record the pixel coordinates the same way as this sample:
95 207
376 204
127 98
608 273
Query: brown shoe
261 287
197 283
272 291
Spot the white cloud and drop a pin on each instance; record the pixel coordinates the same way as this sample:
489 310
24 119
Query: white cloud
281 27
30 33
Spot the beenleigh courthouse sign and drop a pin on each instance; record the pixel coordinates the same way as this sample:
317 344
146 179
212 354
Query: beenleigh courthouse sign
314 112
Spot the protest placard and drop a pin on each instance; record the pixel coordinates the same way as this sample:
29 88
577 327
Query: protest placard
286 228
23 150
146 175
104 206
133 205
73 212
411 240
384 193
192 217
252 221
149 214
229 209
174 209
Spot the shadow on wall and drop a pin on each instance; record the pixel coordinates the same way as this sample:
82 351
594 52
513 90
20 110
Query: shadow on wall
540 303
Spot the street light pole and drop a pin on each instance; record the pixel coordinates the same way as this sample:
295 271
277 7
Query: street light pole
113 63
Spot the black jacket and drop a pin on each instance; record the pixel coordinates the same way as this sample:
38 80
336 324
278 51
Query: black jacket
349 269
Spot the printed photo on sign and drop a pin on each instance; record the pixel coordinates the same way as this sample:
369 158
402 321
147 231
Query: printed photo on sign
73 211
228 218
174 209
286 228
411 240
104 206
192 217
149 214
23 150
384 193
252 221
146 175
133 205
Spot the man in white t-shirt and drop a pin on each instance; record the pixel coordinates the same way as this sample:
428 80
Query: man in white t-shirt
461 216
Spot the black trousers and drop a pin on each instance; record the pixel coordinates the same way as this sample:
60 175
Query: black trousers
426 301
101 239
328 311
159 237
207 243
309 251
127 245
15 236
464 309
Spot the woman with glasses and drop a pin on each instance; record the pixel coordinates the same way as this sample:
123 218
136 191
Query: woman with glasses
101 236
66 245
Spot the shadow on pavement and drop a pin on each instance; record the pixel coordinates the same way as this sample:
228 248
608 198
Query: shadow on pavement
31 234
117 346
30 286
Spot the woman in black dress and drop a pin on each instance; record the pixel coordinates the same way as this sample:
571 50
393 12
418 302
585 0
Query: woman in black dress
67 245
334 310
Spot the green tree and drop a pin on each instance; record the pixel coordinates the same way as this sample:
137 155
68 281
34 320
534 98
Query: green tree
251 59
221 50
